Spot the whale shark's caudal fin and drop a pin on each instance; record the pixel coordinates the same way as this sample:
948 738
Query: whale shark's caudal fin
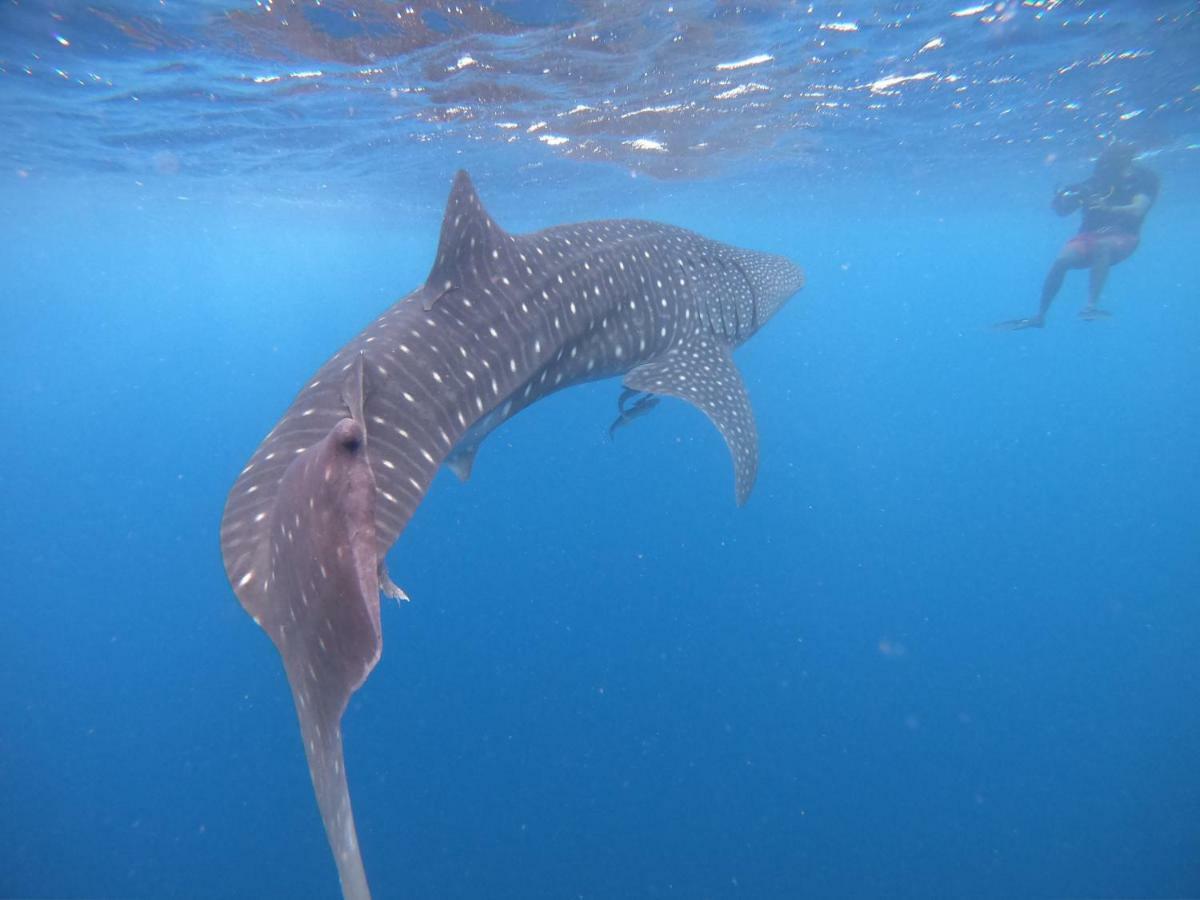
702 372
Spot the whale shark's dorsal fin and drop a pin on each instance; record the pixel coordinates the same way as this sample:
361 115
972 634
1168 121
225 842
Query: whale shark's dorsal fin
469 243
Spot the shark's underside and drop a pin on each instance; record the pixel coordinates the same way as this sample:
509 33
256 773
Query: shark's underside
502 321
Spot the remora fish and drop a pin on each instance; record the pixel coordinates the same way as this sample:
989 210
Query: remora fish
502 321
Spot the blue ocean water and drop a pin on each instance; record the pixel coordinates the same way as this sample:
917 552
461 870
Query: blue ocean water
949 647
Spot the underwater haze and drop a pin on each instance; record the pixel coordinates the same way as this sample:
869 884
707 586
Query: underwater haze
949 648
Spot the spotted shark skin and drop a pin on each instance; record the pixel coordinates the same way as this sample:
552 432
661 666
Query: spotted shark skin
502 321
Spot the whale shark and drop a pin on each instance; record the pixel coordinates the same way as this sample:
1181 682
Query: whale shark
502 321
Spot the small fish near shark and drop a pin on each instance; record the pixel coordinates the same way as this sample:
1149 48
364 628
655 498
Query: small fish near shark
502 321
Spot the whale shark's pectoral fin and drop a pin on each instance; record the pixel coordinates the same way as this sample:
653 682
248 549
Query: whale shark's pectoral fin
702 373
317 596
388 587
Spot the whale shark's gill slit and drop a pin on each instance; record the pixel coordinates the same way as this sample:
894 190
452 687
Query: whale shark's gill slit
753 294
502 321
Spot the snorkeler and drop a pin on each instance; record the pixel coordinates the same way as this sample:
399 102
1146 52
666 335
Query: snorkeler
1114 202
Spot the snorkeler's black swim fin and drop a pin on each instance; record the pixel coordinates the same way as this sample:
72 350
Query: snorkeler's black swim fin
1020 324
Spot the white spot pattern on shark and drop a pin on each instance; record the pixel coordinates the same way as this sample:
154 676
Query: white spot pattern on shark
502 321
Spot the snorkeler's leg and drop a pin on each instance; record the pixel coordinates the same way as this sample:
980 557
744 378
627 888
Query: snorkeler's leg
1101 263
1068 258
1053 283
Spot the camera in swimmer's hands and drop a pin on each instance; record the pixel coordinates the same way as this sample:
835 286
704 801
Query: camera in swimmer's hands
1085 195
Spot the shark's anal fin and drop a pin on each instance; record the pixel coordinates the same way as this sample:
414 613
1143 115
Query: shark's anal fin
319 602
701 371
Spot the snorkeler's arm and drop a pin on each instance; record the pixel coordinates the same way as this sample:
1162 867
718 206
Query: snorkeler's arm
1137 207
1145 192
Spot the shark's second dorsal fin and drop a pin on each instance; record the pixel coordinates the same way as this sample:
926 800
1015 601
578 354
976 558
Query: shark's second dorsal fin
461 460
470 240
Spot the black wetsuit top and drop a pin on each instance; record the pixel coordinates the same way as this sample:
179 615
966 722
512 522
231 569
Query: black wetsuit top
1135 181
